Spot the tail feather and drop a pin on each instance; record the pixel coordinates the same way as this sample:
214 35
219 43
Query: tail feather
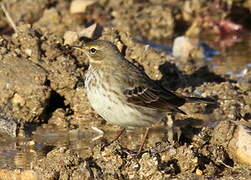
200 100
180 111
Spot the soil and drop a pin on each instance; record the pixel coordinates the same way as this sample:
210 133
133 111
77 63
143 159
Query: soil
42 90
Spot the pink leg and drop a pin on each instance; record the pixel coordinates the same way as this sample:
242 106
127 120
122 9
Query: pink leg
144 140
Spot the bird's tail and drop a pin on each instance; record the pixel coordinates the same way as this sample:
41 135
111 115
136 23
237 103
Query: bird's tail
200 100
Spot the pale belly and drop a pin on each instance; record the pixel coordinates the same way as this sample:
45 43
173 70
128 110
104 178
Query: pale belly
118 113
116 110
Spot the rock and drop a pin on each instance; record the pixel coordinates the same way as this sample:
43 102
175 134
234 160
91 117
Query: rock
25 11
199 172
149 20
182 47
29 41
240 145
58 118
23 93
235 136
70 37
185 47
7 125
62 163
51 21
89 31
79 6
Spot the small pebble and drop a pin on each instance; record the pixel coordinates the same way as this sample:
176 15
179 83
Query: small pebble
79 6
199 172
70 37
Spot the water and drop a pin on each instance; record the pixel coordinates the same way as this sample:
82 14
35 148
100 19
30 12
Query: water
19 152
15 152
234 60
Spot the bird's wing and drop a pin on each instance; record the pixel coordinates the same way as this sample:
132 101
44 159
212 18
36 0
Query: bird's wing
155 98
143 91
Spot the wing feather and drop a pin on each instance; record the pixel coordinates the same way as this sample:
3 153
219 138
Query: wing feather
154 98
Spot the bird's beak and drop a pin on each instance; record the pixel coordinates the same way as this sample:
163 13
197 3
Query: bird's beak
80 48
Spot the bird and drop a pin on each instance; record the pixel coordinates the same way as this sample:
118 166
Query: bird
123 94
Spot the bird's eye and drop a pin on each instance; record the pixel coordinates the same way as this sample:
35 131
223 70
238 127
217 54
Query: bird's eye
92 50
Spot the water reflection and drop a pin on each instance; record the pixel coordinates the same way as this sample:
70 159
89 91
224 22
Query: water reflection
19 153
234 60
16 152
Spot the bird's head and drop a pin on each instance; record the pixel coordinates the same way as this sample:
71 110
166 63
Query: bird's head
100 52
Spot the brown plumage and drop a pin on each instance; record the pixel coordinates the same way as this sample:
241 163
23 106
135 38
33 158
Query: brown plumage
122 93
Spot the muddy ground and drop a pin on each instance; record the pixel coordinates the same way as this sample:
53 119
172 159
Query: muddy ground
42 88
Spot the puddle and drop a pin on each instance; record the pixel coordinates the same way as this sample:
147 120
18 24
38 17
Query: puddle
209 52
19 153
234 60
16 152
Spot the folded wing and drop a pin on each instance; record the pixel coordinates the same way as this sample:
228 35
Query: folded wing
155 98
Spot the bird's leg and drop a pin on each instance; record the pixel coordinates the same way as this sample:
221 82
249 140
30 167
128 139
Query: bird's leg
178 130
117 137
170 133
144 140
